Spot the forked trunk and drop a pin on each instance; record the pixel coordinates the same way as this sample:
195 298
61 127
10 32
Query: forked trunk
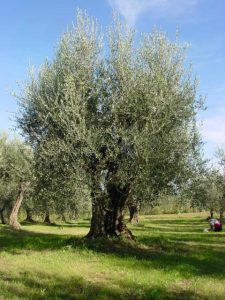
47 218
13 222
133 209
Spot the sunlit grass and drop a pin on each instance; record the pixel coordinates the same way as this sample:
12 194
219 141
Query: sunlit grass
172 258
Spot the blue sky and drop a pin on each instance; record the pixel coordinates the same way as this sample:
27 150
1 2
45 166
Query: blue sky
29 31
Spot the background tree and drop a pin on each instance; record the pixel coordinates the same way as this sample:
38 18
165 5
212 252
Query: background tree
15 175
7 187
220 155
207 191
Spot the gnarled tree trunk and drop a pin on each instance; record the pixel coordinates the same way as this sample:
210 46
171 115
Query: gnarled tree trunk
110 221
114 218
13 222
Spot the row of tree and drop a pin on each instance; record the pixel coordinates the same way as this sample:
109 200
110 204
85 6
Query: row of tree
110 121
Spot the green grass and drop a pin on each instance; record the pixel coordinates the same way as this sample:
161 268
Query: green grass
172 258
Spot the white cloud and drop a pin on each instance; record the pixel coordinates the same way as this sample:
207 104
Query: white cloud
132 9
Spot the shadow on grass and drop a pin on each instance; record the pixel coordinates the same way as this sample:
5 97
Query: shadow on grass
43 287
162 254
66 225
167 229
12 241
178 221
158 252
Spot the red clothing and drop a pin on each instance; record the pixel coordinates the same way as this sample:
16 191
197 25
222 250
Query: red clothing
217 225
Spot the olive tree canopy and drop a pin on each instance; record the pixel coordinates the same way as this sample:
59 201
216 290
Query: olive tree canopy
112 117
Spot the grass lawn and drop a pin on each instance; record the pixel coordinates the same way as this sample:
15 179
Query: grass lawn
172 258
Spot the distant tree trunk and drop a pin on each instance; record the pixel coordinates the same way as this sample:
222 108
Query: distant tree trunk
133 209
29 217
63 217
2 216
13 222
211 212
47 218
221 214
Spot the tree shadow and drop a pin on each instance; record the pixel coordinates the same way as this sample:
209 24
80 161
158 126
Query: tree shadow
161 254
178 221
12 241
41 286
167 229
158 252
59 225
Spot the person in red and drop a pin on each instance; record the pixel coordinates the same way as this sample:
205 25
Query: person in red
217 225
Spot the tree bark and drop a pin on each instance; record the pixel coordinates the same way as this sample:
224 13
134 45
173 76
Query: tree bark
13 222
114 218
97 228
29 217
221 214
133 209
47 218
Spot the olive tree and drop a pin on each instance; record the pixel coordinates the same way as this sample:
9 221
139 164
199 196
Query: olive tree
112 118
